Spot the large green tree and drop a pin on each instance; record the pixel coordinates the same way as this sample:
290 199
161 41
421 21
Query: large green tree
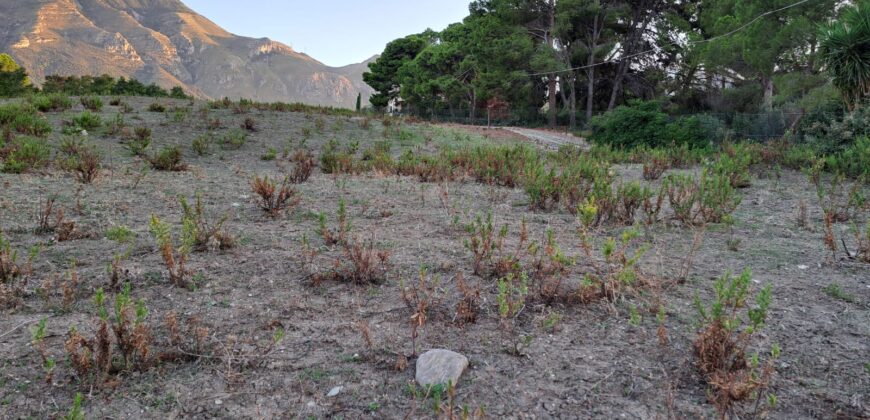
383 72
13 78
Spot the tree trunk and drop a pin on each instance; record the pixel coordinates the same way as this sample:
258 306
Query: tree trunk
572 111
767 84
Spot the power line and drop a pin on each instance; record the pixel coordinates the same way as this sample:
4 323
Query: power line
741 28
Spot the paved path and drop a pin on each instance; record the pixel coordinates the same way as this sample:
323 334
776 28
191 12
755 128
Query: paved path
549 139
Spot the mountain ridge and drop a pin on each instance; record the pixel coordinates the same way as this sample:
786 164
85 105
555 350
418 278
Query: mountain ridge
167 43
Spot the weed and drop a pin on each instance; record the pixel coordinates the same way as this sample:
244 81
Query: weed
701 200
76 412
275 199
303 166
87 121
38 335
340 235
24 154
234 139
206 234
140 142
91 103
512 292
420 298
481 241
270 155
174 257
169 158
368 264
201 145
836 291
250 124
52 102
468 307
720 347
121 234
156 107
655 164
84 160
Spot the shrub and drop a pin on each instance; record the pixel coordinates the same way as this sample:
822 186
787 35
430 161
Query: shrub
24 154
156 107
853 161
233 140
645 123
201 145
87 121
82 159
274 199
720 346
92 103
140 142
368 264
174 257
701 200
303 166
205 234
169 158
52 102
270 155
249 124
835 131
22 118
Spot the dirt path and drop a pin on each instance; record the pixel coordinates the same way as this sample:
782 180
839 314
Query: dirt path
549 139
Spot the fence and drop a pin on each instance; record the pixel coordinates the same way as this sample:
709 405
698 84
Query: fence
756 126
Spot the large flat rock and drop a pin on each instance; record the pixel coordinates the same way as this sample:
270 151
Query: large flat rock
440 366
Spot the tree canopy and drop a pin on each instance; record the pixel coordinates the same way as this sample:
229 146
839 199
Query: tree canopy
579 58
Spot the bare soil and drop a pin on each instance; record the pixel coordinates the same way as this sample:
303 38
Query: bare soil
555 361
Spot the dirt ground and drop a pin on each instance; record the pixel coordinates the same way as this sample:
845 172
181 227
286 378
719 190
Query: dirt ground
556 361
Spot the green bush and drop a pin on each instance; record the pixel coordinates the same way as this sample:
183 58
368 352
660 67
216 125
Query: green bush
52 102
24 154
645 123
92 103
168 159
833 131
854 161
87 121
22 118
233 139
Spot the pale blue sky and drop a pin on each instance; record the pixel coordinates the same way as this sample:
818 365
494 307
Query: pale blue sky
336 32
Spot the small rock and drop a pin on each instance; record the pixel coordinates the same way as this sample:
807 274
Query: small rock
803 267
218 402
440 367
334 391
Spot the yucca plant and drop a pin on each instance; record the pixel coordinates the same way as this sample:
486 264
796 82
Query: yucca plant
845 52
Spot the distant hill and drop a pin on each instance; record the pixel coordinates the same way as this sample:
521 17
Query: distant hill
167 43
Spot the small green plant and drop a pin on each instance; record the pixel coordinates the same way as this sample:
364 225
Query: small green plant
275 199
87 121
92 103
76 412
512 292
38 335
201 145
206 233
720 346
836 291
481 241
156 107
120 234
174 257
234 139
24 154
340 235
52 102
169 158
270 155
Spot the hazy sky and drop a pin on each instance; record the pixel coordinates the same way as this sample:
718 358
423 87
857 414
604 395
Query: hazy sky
336 32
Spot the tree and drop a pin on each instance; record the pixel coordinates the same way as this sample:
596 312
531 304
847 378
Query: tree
845 52
358 102
13 78
382 76
759 38
584 29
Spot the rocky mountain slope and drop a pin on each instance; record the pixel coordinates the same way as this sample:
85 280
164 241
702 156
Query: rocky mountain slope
165 42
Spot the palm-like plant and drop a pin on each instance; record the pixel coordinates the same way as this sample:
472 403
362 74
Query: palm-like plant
845 51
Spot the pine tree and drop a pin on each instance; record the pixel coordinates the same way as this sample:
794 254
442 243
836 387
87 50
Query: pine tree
358 102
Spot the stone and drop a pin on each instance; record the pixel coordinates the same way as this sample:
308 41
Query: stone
334 391
440 367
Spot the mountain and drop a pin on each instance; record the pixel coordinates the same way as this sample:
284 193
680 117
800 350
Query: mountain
165 42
